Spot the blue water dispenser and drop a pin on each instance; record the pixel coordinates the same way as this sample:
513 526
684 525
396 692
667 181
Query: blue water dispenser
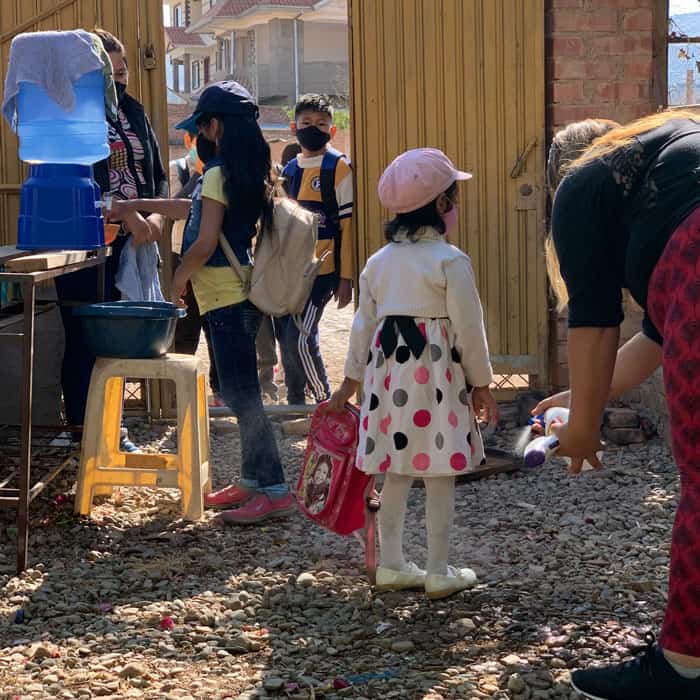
59 209
59 206
49 134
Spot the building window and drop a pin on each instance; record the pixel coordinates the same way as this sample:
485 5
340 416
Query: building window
180 80
220 55
196 75
223 55
683 74
227 55
179 16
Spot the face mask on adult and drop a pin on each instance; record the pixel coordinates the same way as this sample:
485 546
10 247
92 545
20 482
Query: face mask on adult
312 138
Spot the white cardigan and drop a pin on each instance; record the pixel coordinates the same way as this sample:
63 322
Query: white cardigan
428 278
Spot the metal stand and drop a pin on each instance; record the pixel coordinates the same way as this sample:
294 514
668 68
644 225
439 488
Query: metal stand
21 497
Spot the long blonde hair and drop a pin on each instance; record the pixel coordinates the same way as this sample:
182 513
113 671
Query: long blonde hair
580 143
569 143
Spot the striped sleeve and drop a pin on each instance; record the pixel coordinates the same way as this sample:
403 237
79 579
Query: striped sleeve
344 196
343 188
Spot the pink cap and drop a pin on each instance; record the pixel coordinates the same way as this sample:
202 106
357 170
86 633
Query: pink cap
416 178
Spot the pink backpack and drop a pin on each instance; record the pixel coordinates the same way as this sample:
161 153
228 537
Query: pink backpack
331 491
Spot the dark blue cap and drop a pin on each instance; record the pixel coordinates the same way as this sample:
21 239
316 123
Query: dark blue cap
225 97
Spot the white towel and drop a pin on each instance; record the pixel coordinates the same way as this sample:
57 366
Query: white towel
53 60
137 277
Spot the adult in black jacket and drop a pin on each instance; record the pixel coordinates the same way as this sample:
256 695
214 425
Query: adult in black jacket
133 170
627 216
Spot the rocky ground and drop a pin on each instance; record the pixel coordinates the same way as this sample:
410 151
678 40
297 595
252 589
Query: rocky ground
136 603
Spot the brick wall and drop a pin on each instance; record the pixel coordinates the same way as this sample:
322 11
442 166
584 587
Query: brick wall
176 113
599 60
600 63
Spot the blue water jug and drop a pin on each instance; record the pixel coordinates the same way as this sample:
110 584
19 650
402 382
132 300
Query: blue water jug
49 134
59 209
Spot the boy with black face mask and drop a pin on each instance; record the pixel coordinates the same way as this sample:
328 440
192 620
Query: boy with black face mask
320 179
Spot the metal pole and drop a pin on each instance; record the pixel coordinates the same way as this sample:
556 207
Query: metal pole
689 87
25 454
296 60
269 409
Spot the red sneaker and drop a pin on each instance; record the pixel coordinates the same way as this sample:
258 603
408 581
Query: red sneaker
228 497
259 508
215 401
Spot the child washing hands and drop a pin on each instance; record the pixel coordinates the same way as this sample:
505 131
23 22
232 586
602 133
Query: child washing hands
419 347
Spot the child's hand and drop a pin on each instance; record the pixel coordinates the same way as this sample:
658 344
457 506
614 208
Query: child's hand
344 293
178 288
485 405
336 404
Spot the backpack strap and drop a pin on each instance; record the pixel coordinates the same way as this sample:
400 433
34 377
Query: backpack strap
234 263
292 175
329 199
329 165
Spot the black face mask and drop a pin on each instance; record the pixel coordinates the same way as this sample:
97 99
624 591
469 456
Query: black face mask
312 138
121 90
206 149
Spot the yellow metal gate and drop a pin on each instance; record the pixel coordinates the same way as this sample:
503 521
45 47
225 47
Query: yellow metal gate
139 25
466 76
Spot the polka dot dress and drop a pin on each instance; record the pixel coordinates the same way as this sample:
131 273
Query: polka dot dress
417 417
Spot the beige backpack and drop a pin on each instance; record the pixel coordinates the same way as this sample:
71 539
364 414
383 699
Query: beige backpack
285 263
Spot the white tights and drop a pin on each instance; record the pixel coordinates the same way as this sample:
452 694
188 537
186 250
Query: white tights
439 514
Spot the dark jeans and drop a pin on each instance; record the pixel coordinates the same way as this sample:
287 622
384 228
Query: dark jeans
188 331
77 360
266 346
301 354
233 330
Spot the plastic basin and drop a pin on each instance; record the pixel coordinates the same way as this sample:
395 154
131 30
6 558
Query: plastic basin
129 329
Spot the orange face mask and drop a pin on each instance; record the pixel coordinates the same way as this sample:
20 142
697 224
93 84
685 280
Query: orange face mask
191 146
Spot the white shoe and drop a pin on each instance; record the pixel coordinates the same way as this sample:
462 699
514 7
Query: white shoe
400 579
440 586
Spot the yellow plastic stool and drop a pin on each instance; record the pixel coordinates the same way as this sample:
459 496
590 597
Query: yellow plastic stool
103 465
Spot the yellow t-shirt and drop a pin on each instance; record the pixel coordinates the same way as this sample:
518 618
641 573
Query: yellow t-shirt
216 287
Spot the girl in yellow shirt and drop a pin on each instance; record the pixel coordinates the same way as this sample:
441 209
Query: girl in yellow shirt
235 193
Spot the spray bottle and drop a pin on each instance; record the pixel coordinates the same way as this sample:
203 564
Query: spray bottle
537 451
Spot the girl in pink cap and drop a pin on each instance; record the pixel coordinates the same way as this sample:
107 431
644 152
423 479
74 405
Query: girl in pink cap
419 347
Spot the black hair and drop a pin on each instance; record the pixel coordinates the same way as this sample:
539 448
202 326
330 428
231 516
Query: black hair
312 102
109 41
291 150
206 149
246 165
412 221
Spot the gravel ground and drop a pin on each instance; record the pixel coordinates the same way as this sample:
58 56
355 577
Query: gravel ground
134 602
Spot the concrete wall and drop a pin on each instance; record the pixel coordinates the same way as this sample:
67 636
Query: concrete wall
325 77
325 42
323 59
